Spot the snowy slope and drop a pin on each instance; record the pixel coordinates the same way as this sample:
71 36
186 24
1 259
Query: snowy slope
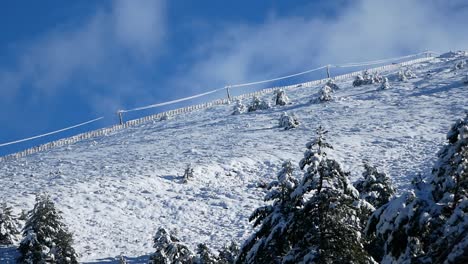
115 191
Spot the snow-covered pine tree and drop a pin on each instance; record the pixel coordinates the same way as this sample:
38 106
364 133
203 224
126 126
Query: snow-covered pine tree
402 76
281 98
430 225
258 104
188 173
460 65
239 108
228 254
204 255
410 74
448 184
314 221
169 250
325 94
358 81
385 84
46 238
271 241
122 259
331 83
450 193
8 225
326 229
288 121
374 187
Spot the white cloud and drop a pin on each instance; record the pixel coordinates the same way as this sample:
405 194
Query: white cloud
367 29
139 24
98 51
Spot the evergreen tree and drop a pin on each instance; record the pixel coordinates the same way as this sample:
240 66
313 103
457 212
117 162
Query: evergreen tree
421 228
385 84
204 255
449 184
325 94
46 239
239 108
460 65
281 98
288 121
169 250
375 187
410 74
402 76
314 221
8 225
327 228
271 242
331 83
122 259
228 254
358 81
258 104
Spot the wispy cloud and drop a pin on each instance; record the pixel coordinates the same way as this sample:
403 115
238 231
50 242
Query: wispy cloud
367 29
102 56
98 52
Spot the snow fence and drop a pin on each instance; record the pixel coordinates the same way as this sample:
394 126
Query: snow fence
135 122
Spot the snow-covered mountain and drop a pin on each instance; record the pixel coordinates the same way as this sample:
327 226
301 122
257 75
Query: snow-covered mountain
116 190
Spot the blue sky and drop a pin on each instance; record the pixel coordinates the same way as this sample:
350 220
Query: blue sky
65 62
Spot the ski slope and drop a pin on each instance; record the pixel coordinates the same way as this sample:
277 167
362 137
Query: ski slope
116 190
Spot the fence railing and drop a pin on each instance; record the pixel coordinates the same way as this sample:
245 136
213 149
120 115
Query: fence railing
106 131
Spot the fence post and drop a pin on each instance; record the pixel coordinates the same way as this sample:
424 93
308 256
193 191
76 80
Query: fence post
119 112
228 93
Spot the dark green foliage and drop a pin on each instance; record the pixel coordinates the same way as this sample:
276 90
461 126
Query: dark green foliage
281 98
430 225
8 225
375 187
270 241
228 254
205 256
169 249
46 239
257 104
315 221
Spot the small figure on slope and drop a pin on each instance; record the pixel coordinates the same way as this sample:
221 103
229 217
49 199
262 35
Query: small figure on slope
188 173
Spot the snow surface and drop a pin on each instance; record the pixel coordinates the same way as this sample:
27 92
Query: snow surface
115 191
